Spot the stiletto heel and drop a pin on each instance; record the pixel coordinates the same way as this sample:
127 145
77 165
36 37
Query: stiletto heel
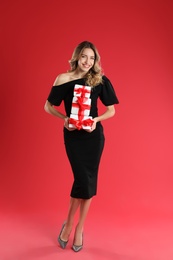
77 248
62 242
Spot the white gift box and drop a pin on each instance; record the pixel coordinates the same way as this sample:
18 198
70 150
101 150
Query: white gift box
81 122
81 107
82 91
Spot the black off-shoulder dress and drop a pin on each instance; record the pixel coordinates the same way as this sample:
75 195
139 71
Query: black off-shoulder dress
84 149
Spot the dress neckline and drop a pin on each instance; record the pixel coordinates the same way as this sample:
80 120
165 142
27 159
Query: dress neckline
70 81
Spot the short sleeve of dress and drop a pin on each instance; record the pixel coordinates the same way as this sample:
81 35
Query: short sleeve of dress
56 95
108 95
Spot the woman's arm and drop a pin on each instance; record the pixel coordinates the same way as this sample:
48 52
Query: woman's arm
110 111
49 108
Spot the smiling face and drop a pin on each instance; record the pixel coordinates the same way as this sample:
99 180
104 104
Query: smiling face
86 60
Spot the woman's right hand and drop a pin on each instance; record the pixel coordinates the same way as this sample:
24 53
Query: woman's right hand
66 124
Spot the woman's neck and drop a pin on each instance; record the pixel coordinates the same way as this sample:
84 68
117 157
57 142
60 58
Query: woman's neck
78 74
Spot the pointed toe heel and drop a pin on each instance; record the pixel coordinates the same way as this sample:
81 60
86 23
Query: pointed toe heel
62 242
77 248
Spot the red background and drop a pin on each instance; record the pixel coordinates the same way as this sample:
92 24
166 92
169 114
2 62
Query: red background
135 42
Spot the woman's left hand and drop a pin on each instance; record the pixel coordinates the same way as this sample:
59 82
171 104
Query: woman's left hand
93 127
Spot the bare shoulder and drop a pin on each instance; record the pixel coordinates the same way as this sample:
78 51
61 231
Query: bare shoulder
61 79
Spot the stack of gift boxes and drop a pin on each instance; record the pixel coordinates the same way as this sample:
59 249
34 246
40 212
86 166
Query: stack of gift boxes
80 110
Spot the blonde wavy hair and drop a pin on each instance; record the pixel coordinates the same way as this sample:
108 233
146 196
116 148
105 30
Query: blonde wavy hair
94 75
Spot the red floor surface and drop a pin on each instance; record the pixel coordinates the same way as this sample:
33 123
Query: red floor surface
34 236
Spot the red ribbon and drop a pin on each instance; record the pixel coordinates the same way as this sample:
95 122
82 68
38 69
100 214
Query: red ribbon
87 122
79 103
81 100
81 107
78 122
82 91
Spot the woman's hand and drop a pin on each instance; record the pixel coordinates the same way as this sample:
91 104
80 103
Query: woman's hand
110 111
66 124
93 127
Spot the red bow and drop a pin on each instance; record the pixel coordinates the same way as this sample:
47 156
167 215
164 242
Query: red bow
78 123
82 91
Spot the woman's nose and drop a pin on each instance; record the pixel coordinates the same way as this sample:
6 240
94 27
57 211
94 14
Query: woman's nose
86 60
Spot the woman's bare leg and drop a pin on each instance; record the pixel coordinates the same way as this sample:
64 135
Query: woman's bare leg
84 207
74 204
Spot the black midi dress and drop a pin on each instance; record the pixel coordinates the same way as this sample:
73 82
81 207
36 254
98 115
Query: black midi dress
84 149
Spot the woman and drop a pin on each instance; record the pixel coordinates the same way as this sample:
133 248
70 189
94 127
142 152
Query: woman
83 146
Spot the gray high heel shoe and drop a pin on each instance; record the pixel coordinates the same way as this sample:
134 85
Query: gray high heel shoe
62 242
78 248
